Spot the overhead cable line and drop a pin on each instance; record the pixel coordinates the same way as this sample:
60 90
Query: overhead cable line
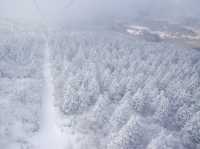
43 16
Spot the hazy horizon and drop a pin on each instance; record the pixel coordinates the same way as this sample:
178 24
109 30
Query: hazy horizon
66 11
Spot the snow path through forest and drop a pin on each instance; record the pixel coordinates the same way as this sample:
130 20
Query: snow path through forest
50 135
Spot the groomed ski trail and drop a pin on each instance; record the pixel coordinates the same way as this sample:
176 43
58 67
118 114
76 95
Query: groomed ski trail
50 135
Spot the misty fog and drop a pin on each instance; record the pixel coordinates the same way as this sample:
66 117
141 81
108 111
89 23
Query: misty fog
67 11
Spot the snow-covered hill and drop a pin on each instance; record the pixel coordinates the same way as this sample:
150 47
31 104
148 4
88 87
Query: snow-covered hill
97 90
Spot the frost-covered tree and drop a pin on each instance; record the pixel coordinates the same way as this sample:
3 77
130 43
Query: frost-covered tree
21 87
163 113
132 135
101 112
165 141
191 131
183 115
121 114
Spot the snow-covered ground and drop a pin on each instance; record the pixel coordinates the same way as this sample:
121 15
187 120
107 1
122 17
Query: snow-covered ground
182 33
96 90
50 135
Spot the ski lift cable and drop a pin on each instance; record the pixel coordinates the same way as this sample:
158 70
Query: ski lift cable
69 4
43 16
40 12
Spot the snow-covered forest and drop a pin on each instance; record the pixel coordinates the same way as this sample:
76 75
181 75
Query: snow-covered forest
124 84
